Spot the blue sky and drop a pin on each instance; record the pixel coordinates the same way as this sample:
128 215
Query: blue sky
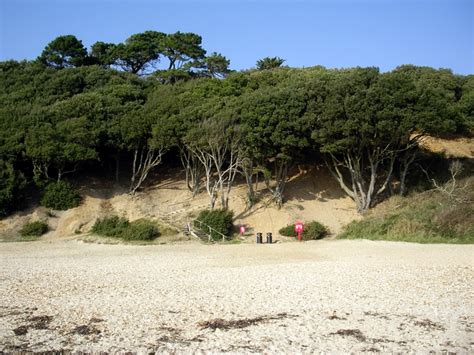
337 33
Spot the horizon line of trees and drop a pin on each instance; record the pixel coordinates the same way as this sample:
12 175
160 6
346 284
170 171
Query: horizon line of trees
59 115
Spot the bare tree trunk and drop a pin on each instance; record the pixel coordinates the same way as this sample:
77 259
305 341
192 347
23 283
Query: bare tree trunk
144 159
405 163
61 172
281 167
248 171
193 170
229 175
211 185
362 191
40 169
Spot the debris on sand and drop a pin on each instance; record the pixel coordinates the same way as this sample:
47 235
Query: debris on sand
429 325
21 330
40 322
85 330
239 323
356 333
334 316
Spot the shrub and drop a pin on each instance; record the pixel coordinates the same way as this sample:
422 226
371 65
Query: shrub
34 229
312 231
112 226
288 231
220 220
119 227
60 196
141 229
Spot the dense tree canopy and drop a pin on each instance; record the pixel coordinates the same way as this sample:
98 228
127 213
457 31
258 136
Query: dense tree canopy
64 52
71 109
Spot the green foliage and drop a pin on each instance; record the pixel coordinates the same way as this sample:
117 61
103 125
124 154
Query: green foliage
60 196
269 63
288 231
64 52
113 226
34 229
119 227
216 65
139 51
312 231
428 217
54 122
219 219
141 229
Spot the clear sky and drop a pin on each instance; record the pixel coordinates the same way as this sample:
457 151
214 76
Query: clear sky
333 33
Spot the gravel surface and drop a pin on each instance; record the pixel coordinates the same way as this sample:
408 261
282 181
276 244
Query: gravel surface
325 296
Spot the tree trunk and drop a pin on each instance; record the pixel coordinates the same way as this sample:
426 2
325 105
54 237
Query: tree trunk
281 167
363 191
247 171
405 164
144 159
193 170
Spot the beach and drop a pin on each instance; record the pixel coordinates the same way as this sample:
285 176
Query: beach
322 296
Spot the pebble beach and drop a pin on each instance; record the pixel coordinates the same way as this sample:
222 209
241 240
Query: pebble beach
322 296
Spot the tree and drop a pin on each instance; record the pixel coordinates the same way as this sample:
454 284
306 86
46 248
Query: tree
147 151
269 63
427 102
275 129
139 52
215 141
102 53
59 146
216 66
466 103
64 52
357 143
181 48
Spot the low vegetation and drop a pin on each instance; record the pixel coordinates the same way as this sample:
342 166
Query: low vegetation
34 229
434 216
60 196
312 231
220 220
119 227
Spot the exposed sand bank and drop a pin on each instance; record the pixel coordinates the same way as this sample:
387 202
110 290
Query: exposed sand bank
310 194
332 296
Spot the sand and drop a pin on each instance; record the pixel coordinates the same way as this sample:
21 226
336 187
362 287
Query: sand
322 296
311 194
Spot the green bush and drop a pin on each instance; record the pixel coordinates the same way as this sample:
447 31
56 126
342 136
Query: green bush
288 231
60 196
220 220
34 229
113 226
119 227
141 229
312 231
